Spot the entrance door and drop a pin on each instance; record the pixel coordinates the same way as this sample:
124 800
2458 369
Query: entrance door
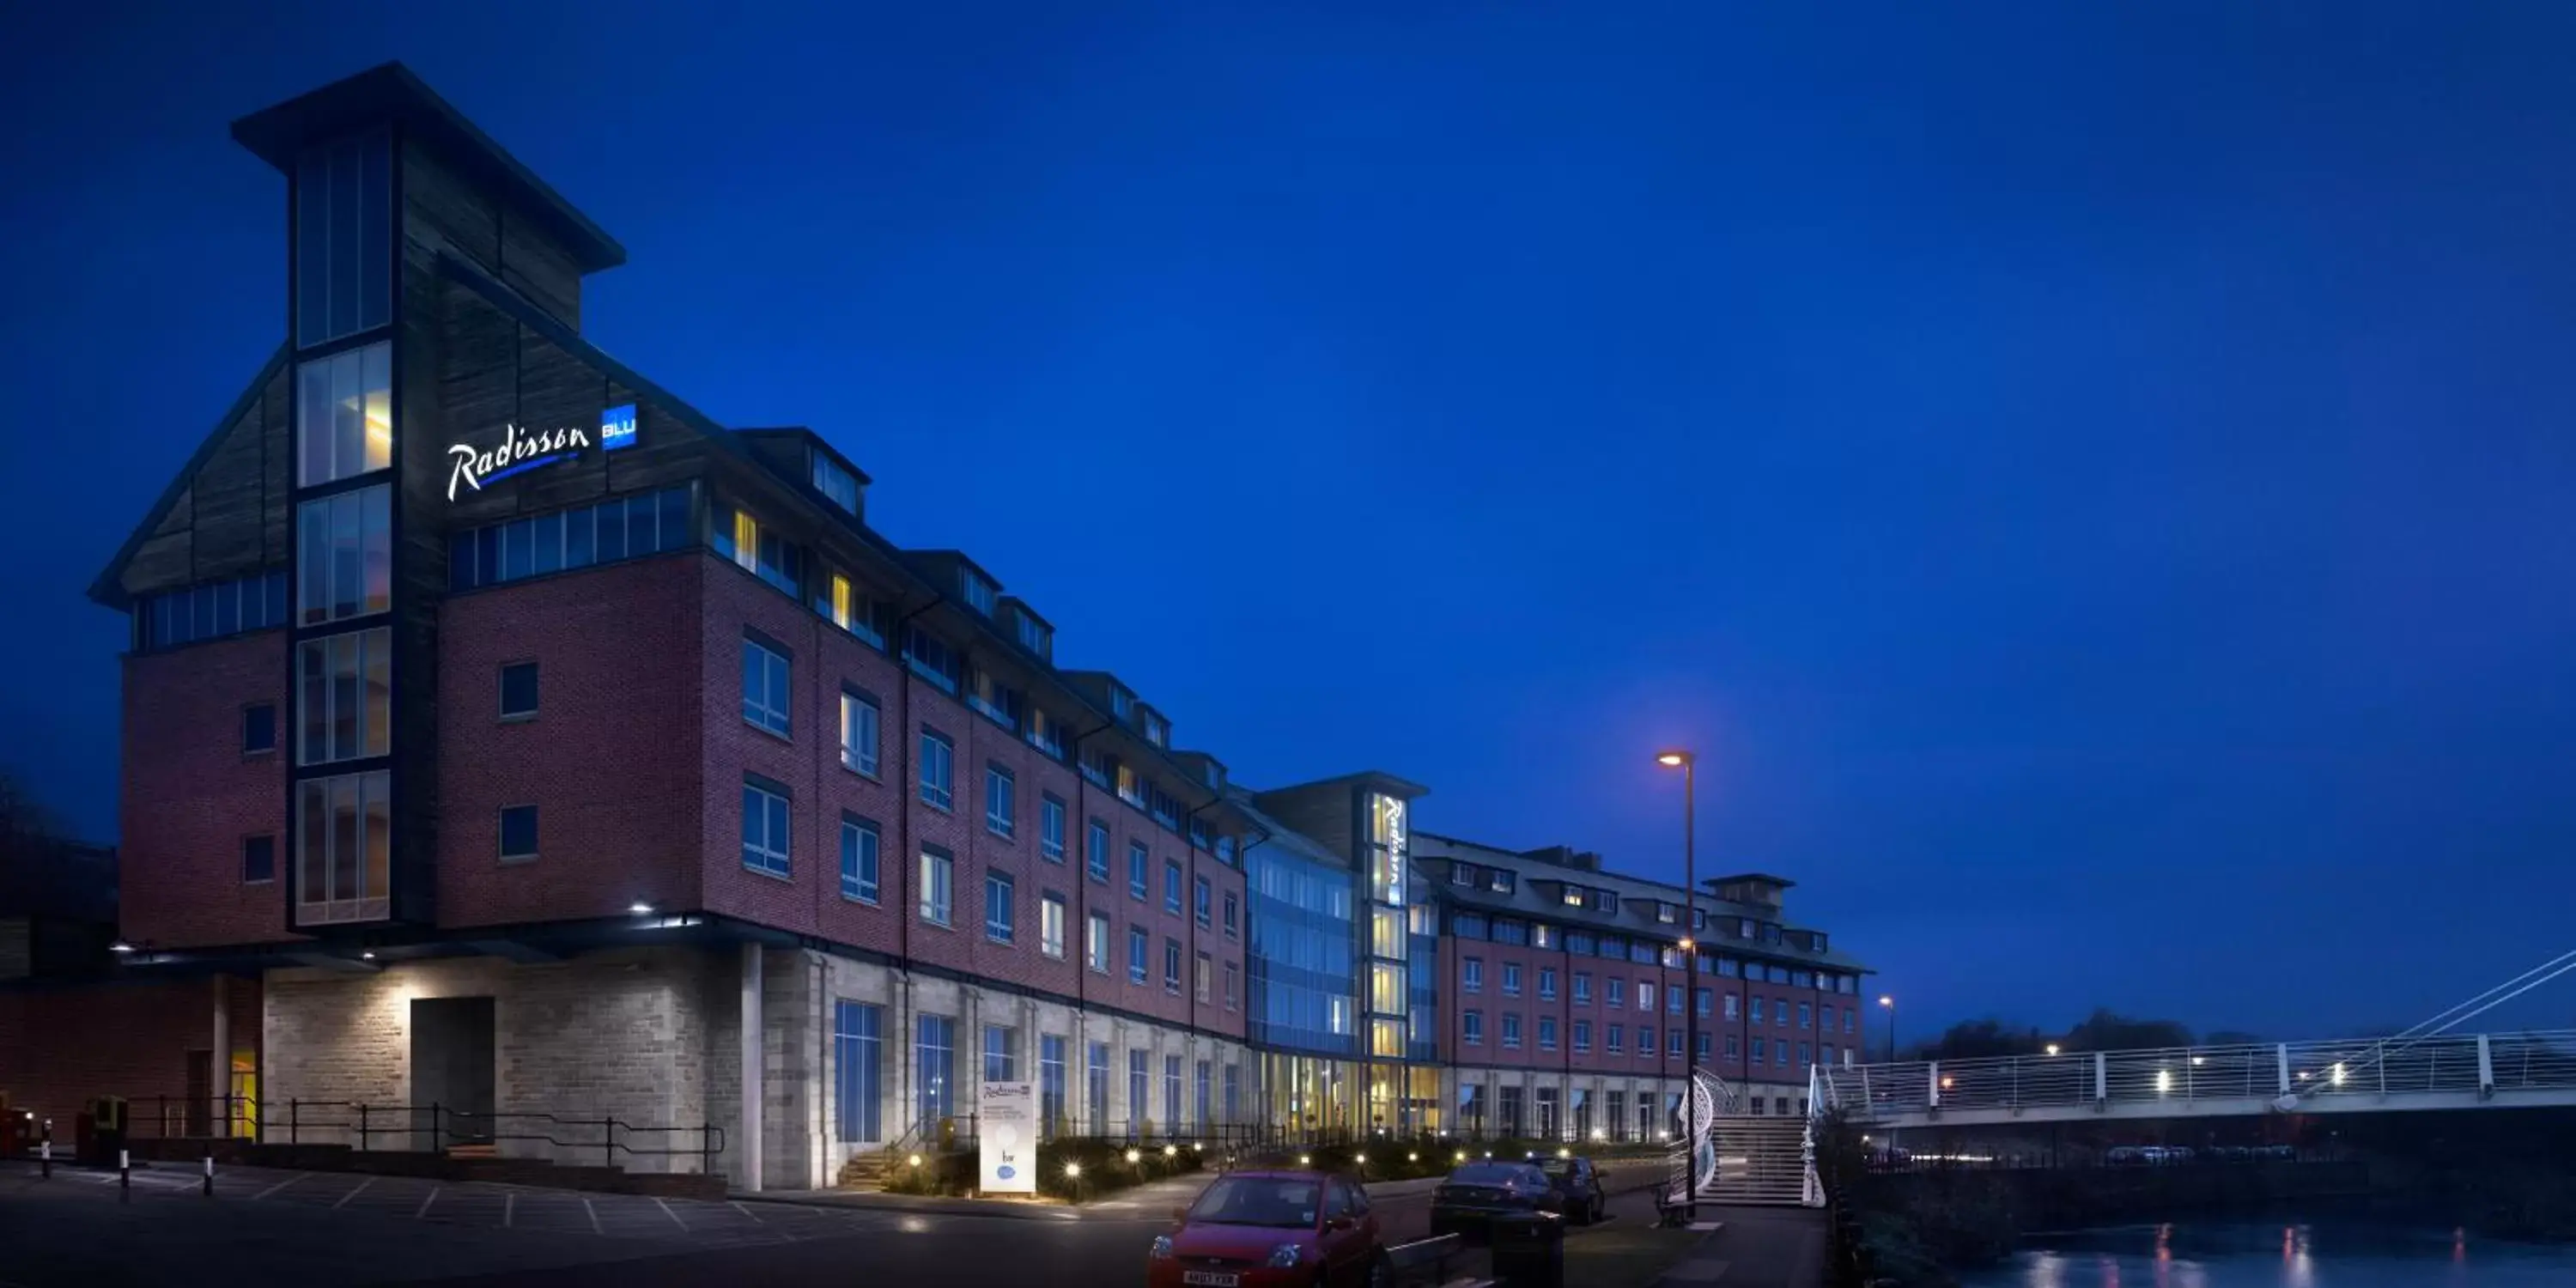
452 1068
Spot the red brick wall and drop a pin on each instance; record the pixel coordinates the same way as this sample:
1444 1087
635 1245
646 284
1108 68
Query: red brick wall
610 761
190 795
62 1045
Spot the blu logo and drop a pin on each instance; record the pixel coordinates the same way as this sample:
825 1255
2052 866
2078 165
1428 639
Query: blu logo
617 428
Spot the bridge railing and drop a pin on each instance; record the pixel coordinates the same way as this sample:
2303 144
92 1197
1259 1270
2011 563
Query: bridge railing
2481 1064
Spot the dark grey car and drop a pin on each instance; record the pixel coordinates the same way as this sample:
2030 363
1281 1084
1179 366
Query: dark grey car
1577 1183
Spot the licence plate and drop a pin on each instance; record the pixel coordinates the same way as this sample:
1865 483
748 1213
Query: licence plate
1211 1278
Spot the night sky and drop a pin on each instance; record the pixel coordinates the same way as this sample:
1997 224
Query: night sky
2095 488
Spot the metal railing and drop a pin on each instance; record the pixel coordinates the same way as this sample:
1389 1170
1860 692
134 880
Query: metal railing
430 1128
2286 1074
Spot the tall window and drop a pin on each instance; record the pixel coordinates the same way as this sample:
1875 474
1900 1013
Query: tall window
764 827
1138 884
1051 1084
1138 945
1200 1087
1233 985
1001 1054
859 720
343 239
937 870
938 771
1095 1076
1051 925
1000 920
1095 942
1233 1085
346 700
1000 818
1171 965
1171 1094
1051 828
859 858
756 549
935 1050
764 687
344 415
858 1058
1200 980
1139 1091
343 846
1172 888
1201 901
1095 850
1232 910
344 556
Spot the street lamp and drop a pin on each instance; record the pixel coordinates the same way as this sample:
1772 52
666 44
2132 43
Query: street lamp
2052 1048
1689 765
1890 1004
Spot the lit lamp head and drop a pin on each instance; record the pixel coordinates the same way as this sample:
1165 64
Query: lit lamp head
1672 759
1887 1001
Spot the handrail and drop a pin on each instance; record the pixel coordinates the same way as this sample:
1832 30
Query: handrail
362 1124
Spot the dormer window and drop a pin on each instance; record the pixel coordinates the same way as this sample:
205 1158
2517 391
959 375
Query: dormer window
977 590
1215 776
1464 874
1816 940
1046 733
1158 731
995 699
930 658
1667 913
1122 704
1504 881
1034 635
759 550
838 486
1574 896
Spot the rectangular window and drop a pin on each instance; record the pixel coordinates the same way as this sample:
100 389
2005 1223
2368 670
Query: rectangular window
1171 965
764 827
518 832
1673 1000
1582 1036
1758 1052
765 702
1702 1003
1757 1010
1231 912
1233 985
624 528
1000 922
1000 817
259 728
344 556
1051 925
1471 1026
1732 1051
1095 1074
1051 1123
253 603
343 238
1095 850
1673 1043
1512 1031
838 486
937 872
1614 1040
1139 1092
1138 945
259 859
1582 988
859 732
1172 888
1045 733
1001 1053
1202 1093
995 700
1139 886
929 657
1646 1041
344 415
1547 983
1806 1015
935 1052
1203 979
859 857
1050 828
519 691
1201 899
347 696
1511 979
841 602
1730 1006
1780 1053
1547 1033
1471 975
1095 942
938 771
1614 992
756 548
343 847
858 1059
1131 786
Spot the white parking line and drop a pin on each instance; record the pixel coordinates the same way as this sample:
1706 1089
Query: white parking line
666 1211
424 1204
755 1217
279 1186
362 1188
594 1217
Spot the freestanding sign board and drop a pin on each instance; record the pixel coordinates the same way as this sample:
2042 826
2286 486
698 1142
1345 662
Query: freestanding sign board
1006 1133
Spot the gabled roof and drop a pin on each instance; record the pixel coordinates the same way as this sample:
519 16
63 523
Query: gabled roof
109 588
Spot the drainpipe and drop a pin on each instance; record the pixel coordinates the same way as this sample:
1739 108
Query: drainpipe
910 866
1082 907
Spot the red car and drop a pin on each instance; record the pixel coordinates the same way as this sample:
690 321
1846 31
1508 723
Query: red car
1273 1229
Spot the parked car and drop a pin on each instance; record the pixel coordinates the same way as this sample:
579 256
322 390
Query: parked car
1578 1188
1272 1228
1478 1193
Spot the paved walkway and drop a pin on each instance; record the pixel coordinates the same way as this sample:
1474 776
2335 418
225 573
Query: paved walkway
1755 1247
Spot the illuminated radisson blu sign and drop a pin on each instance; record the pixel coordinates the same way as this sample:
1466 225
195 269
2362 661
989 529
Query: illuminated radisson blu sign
521 450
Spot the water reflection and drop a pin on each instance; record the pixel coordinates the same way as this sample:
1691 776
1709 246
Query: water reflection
2278 1256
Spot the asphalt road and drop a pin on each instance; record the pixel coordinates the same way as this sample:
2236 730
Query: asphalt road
76 1231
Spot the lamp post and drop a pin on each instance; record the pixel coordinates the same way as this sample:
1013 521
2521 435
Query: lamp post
1689 765
1890 1004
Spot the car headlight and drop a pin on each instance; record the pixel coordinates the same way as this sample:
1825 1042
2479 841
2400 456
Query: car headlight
1162 1248
1286 1255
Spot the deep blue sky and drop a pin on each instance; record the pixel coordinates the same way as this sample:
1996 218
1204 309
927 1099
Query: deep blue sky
2098 487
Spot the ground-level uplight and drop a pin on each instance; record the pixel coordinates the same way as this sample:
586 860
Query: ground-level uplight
914 1161
1133 1155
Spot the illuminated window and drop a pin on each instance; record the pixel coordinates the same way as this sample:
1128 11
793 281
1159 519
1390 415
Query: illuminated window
757 550
1045 733
938 874
344 415
343 847
344 556
346 697
1051 925
996 700
1095 942
840 602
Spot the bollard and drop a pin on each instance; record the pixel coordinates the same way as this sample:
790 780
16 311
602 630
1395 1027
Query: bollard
124 1178
210 1175
45 1167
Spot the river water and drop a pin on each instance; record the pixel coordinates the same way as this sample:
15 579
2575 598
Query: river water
2277 1256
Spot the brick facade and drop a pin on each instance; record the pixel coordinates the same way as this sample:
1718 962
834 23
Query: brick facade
190 794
